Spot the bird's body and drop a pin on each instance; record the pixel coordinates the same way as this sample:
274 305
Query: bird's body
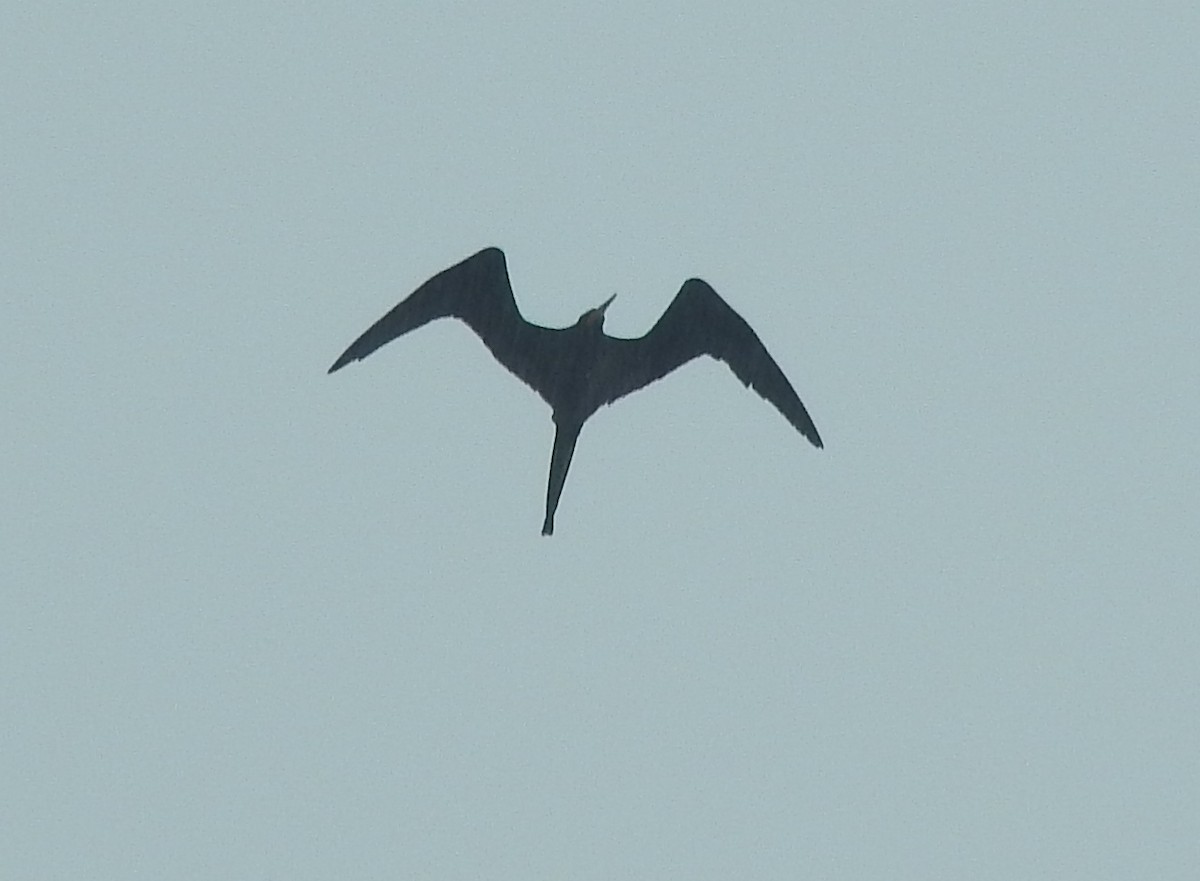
580 368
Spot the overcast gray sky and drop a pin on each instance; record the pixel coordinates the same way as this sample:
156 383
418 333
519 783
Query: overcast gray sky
260 622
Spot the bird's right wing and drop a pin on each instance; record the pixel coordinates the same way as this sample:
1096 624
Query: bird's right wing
478 291
698 322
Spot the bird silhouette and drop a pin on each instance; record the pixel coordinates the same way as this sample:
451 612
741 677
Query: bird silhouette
580 368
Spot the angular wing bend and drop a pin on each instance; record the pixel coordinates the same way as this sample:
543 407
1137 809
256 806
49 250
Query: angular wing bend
478 292
698 322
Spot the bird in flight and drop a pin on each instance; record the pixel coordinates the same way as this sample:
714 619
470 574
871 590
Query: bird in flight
580 368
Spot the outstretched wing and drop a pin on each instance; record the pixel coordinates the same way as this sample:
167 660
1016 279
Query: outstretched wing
698 322
477 291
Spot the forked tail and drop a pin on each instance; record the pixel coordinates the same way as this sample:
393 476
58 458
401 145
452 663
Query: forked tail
560 460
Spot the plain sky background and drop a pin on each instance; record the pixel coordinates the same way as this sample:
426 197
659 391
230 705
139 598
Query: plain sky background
257 622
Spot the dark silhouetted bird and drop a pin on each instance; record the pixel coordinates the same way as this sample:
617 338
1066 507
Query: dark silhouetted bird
580 368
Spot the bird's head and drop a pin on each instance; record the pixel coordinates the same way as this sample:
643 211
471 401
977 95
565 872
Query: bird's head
595 317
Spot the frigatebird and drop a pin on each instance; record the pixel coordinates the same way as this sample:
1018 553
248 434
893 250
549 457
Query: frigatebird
580 368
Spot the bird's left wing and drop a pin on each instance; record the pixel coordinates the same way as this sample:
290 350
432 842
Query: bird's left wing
698 322
478 292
